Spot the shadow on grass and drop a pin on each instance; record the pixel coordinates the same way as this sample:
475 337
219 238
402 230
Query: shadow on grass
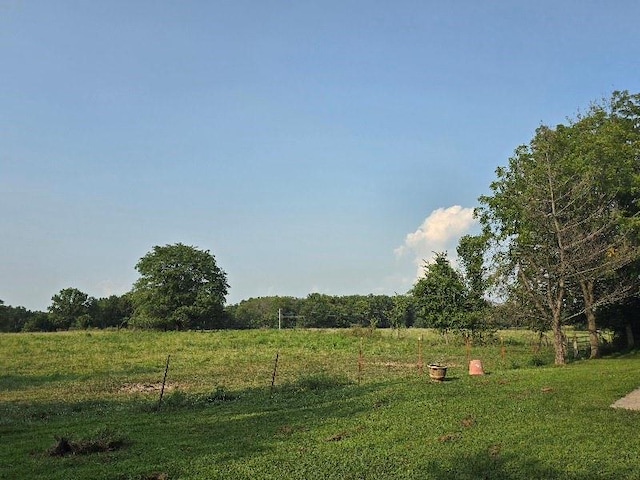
319 417
19 382
493 465
253 420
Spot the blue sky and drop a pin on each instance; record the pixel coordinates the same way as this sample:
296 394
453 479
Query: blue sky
318 146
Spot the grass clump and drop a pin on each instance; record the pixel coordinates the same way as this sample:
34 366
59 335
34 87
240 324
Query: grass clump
219 395
181 399
538 361
104 440
316 383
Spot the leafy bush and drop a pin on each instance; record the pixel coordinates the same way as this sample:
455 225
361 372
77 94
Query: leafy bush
537 361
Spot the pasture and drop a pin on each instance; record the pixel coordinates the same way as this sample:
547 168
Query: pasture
344 404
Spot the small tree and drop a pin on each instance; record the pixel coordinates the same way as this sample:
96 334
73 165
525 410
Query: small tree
403 311
440 296
471 256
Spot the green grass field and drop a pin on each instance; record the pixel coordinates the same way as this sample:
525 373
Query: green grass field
329 415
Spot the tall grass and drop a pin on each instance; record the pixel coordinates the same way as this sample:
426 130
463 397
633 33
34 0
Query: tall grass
82 364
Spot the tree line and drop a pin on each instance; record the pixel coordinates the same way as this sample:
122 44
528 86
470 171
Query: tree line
560 245
181 288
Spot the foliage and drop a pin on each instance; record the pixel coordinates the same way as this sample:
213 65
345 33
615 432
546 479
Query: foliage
621 318
403 311
38 322
561 216
471 255
70 308
319 310
451 299
440 296
180 287
263 312
112 311
17 319
322 311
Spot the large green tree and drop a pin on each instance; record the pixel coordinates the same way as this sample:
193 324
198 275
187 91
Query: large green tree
180 287
561 216
70 308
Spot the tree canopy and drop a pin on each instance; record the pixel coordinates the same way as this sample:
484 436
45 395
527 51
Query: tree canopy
70 308
562 216
179 287
440 296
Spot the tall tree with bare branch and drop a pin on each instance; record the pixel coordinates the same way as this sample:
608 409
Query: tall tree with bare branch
563 215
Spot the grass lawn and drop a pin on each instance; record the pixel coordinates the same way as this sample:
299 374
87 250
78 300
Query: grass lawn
325 418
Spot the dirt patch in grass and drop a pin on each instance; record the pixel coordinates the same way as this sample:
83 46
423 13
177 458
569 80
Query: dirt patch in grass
338 437
288 430
494 450
156 476
468 421
146 387
393 364
449 437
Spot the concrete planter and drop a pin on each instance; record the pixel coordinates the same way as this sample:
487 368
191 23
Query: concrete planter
437 372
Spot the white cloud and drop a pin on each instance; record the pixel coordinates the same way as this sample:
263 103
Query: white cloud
439 232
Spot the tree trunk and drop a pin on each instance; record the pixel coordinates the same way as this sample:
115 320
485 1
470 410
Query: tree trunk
630 340
559 340
588 296
594 340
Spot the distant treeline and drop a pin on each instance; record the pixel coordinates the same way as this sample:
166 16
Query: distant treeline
74 310
80 311
88 312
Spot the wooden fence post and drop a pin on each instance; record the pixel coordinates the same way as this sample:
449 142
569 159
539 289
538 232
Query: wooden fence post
420 362
360 361
164 381
275 370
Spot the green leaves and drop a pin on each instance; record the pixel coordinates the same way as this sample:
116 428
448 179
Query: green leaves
440 295
70 307
180 287
559 209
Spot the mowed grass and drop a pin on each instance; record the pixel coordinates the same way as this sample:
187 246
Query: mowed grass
346 404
